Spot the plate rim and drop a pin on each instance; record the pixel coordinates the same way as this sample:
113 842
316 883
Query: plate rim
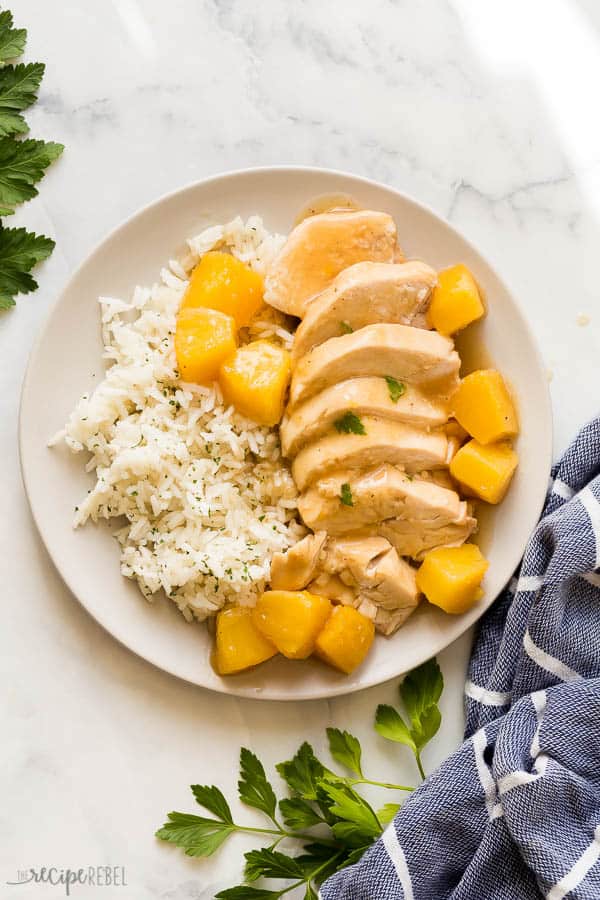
229 687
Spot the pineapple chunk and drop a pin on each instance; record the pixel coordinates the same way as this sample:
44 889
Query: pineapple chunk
203 339
346 639
255 380
222 282
484 408
456 301
450 577
485 470
238 644
291 620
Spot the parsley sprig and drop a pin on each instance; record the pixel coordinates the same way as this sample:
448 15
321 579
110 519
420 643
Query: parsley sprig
22 163
419 692
324 824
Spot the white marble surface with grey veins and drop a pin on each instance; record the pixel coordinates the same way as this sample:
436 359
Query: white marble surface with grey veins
486 112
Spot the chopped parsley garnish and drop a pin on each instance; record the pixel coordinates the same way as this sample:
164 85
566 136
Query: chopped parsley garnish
396 388
346 495
346 328
349 423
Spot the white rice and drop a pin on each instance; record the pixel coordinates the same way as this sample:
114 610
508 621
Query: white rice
204 494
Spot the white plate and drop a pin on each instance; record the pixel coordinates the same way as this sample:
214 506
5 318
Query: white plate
66 362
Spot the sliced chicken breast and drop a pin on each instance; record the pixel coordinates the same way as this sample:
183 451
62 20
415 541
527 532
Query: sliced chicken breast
351 557
388 621
414 538
333 587
407 354
364 294
365 572
383 441
382 581
371 564
319 248
381 493
293 570
440 477
363 397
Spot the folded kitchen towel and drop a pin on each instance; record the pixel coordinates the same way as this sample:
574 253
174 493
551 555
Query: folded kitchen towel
515 812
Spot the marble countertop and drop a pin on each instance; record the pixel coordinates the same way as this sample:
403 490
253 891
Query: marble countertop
451 101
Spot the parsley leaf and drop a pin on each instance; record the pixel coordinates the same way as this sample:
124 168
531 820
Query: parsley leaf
18 90
346 495
213 800
22 164
420 692
245 892
351 834
355 856
345 749
390 724
196 835
253 787
346 328
321 861
349 423
12 40
348 805
303 772
395 388
387 812
298 813
20 250
268 863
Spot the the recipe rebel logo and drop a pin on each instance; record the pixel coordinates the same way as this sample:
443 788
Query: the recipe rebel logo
90 876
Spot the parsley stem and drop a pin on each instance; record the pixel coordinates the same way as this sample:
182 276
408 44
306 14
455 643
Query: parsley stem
323 865
310 876
383 784
251 830
291 887
283 833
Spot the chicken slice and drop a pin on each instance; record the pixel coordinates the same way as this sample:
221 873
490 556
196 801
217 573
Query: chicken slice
364 294
364 572
441 477
319 248
415 538
333 587
351 557
293 570
387 621
381 493
364 397
383 441
397 351
382 581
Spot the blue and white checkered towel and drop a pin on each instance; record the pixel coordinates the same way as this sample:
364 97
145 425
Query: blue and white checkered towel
514 814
